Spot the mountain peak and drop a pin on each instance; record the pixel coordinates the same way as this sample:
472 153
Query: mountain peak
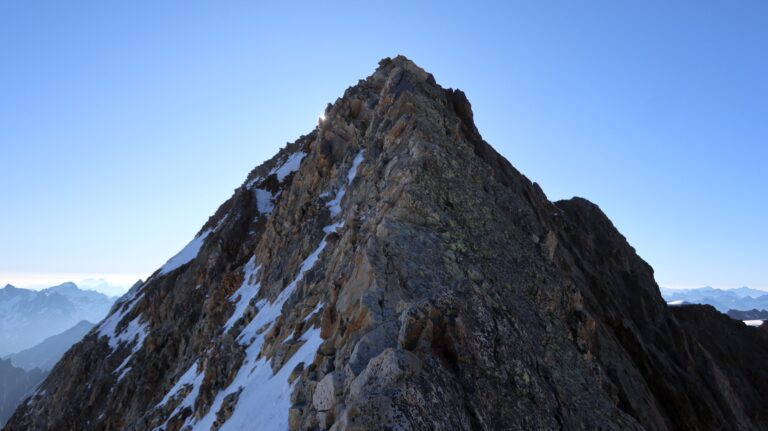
10 291
387 65
391 269
399 61
67 285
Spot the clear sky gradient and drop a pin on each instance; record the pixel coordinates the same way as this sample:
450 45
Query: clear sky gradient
123 125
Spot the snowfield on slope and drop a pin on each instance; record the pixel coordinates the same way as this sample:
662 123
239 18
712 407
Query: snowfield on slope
264 394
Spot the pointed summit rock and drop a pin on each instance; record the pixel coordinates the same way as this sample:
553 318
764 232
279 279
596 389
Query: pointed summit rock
390 270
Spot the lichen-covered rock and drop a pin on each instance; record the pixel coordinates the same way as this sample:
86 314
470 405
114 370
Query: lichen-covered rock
390 270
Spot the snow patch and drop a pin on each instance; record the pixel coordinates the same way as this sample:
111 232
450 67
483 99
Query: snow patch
355 164
187 254
335 205
264 202
333 227
134 332
252 182
134 335
753 322
108 326
192 377
247 291
125 371
266 396
259 385
313 312
292 164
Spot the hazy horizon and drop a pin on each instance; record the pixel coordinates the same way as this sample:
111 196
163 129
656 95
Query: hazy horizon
120 283
108 284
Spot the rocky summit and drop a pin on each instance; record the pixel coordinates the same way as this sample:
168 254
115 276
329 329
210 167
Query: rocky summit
390 270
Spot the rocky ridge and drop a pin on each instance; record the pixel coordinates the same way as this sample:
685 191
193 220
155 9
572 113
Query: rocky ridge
391 270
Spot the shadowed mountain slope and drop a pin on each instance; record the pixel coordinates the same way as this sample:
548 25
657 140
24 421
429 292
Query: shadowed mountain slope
45 355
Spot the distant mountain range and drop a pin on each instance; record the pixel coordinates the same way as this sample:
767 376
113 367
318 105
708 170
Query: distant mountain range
748 314
27 317
45 355
15 385
108 288
724 300
36 329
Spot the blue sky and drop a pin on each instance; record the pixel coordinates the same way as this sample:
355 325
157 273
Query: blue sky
123 125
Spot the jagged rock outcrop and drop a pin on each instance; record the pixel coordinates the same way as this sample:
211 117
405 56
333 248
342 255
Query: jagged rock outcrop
390 270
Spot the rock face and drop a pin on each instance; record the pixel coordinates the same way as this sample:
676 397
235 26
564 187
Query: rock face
390 270
729 341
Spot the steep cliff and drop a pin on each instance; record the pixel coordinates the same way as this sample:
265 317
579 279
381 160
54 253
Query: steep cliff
390 270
